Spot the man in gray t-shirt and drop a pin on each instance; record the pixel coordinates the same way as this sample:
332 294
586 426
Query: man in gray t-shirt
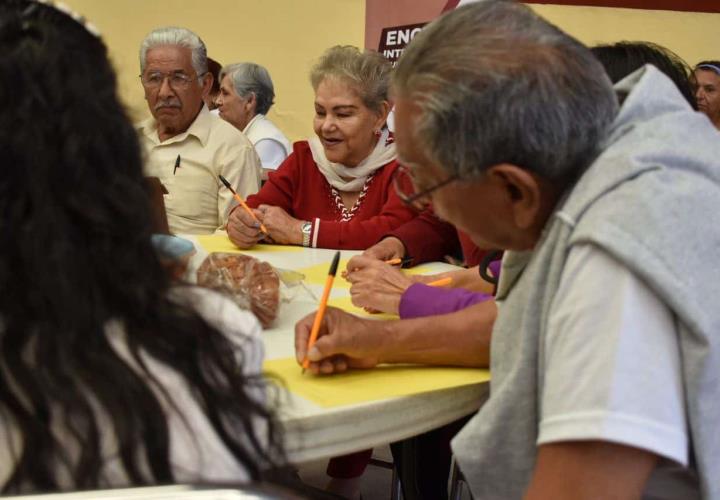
604 354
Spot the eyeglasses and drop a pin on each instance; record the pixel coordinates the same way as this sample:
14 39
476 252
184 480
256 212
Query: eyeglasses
404 184
178 81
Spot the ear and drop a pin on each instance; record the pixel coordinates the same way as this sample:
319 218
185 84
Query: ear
251 103
522 193
207 81
382 115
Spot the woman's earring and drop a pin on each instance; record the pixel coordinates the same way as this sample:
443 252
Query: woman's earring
377 133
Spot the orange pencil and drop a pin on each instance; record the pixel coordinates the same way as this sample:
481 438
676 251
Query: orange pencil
440 282
321 309
242 203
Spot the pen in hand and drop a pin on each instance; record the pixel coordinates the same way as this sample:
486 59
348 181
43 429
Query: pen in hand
242 203
321 309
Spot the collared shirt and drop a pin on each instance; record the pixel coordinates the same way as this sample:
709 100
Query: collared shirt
197 202
270 143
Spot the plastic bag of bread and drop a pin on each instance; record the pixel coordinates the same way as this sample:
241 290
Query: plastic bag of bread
252 284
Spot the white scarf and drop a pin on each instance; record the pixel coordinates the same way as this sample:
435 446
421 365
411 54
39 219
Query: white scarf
334 172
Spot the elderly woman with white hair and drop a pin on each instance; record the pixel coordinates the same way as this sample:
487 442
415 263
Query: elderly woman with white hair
335 190
246 95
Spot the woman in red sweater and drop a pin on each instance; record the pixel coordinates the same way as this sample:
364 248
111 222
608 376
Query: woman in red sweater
335 190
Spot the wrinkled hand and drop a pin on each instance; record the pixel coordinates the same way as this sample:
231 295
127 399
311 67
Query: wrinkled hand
375 285
386 249
243 230
344 341
283 228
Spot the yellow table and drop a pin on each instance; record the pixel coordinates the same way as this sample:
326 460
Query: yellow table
340 414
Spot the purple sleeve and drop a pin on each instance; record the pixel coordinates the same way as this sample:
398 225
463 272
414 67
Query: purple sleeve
494 268
422 300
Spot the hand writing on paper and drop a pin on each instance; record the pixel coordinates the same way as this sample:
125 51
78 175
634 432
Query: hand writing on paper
283 228
344 341
386 249
375 285
243 230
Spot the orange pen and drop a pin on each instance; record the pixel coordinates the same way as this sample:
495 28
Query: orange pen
440 282
243 204
321 309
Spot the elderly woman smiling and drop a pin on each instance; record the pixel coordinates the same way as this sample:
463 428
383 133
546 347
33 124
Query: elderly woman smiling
335 190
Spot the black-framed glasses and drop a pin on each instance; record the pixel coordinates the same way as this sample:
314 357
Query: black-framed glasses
404 184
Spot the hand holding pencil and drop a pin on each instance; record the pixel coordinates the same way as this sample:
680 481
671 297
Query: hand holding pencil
321 308
344 341
242 203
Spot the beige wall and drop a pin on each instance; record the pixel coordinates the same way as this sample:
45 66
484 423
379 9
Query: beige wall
687 33
288 35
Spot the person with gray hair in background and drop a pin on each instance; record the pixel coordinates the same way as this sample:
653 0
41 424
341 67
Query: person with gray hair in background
246 95
604 353
187 147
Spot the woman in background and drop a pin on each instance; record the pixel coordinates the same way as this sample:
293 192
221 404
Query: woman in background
246 95
335 190
108 375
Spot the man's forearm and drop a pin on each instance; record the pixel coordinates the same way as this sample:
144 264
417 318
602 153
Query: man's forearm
461 338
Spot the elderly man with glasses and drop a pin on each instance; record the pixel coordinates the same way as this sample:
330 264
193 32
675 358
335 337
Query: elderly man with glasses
604 353
186 146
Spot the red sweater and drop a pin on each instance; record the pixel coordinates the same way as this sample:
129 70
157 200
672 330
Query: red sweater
427 238
299 188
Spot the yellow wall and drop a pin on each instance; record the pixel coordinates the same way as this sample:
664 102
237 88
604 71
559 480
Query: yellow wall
286 36
689 34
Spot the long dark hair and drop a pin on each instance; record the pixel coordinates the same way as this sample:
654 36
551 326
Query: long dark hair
75 254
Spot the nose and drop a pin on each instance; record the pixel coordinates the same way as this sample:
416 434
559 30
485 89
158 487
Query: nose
165 89
328 123
218 100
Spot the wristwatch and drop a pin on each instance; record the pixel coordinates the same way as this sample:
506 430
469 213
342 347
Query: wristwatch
306 229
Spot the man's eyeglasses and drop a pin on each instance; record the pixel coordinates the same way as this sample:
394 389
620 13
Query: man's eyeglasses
177 81
404 184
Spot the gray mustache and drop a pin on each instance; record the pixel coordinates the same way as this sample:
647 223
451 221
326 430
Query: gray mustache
167 105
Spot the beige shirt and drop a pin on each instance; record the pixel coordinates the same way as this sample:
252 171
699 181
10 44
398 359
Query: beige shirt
197 202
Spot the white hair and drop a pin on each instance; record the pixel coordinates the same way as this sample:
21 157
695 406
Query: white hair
182 37
252 78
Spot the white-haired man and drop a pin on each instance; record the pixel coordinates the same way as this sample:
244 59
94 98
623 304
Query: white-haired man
186 146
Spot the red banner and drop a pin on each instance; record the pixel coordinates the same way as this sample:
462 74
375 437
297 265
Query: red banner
390 25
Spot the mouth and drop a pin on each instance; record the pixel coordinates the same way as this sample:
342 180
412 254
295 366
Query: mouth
329 142
167 107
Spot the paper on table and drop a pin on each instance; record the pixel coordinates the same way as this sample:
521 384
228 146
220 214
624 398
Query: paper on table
345 303
317 274
421 269
383 382
221 243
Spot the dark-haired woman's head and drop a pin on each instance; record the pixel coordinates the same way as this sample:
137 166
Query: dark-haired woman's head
623 58
76 256
71 185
